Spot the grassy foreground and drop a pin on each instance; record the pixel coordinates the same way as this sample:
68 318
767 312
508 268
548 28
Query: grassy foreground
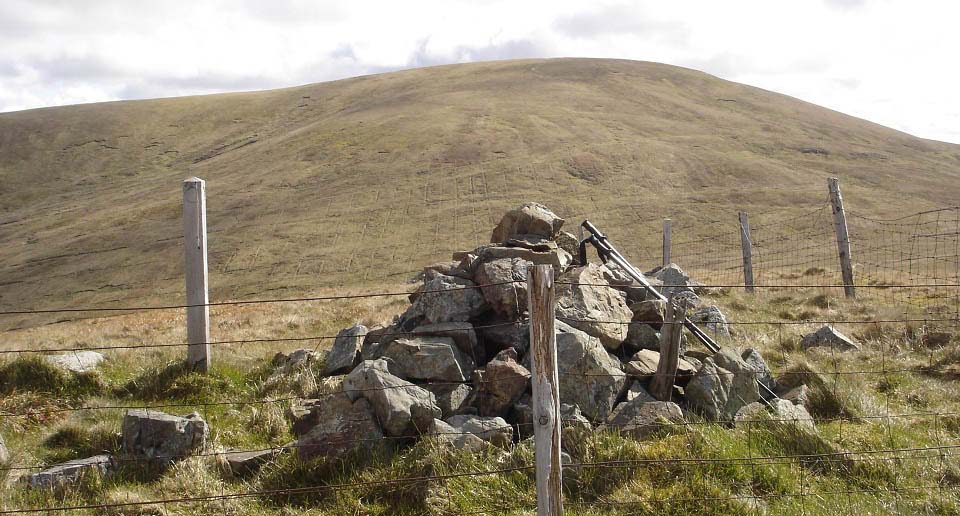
899 393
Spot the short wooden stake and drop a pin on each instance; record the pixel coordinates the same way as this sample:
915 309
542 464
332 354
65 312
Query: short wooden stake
661 387
546 395
666 242
195 270
746 247
843 238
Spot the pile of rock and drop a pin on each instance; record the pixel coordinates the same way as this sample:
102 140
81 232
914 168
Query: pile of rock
455 363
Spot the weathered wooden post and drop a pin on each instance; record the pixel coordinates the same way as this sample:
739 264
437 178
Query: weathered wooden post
661 387
195 270
843 238
746 248
666 242
546 395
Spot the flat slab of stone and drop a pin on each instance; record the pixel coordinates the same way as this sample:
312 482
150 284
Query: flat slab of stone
345 353
244 462
69 472
77 361
828 337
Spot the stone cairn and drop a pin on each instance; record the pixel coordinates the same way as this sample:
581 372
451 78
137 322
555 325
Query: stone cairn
454 365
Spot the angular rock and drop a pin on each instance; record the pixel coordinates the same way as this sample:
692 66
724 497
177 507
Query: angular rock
828 337
532 242
558 258
245 462
637 392
528 219
460 440
650 311
722 386
711 320
586 301
503 382
371 342
590 377
494 430
784 412
444 299
640 418
450 397
462 333
428 358
345 353
451 268
499 335
504 287
568 243
675 281
643 364
402 408
622 281
335 426
297 359
764 375
70 472
161 437
799 395
641 336
77 361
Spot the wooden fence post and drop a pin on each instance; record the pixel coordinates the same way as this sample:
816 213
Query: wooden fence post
843 238
546 395
666 242
661 387
746 247
195 270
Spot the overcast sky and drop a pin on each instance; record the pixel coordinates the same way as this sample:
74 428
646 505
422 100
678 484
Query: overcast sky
893 62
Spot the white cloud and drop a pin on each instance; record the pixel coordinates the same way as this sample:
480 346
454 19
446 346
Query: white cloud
889 61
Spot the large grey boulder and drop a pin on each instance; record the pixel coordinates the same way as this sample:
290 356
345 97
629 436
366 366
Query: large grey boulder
504 286
446 298
335 426
828 337
587 302
675 282
590 377
76 361
722 386
711 320
502 382
345 353
428 358
640 418
529 219
402 408
494 430
70 472
643 365
161 437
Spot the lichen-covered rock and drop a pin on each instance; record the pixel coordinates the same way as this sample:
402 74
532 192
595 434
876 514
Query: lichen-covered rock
428 358
402 408
586 301
529 219
345 353
568 243
557 257
161 437
459 439
590 377
504 286
764 375
722 386
828 337
711 320
640 418
445 299
494 430
676 282
450 397
335 426
650 311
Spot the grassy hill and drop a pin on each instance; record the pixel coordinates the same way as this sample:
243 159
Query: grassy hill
361 181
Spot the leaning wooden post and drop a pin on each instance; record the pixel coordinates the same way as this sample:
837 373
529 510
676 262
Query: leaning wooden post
746 247
843 238
546 395
661 387
666 242
195 269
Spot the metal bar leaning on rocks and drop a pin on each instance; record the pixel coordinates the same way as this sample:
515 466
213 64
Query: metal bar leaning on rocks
544 382
606 251
195 272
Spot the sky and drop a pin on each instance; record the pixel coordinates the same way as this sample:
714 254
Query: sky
889 61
